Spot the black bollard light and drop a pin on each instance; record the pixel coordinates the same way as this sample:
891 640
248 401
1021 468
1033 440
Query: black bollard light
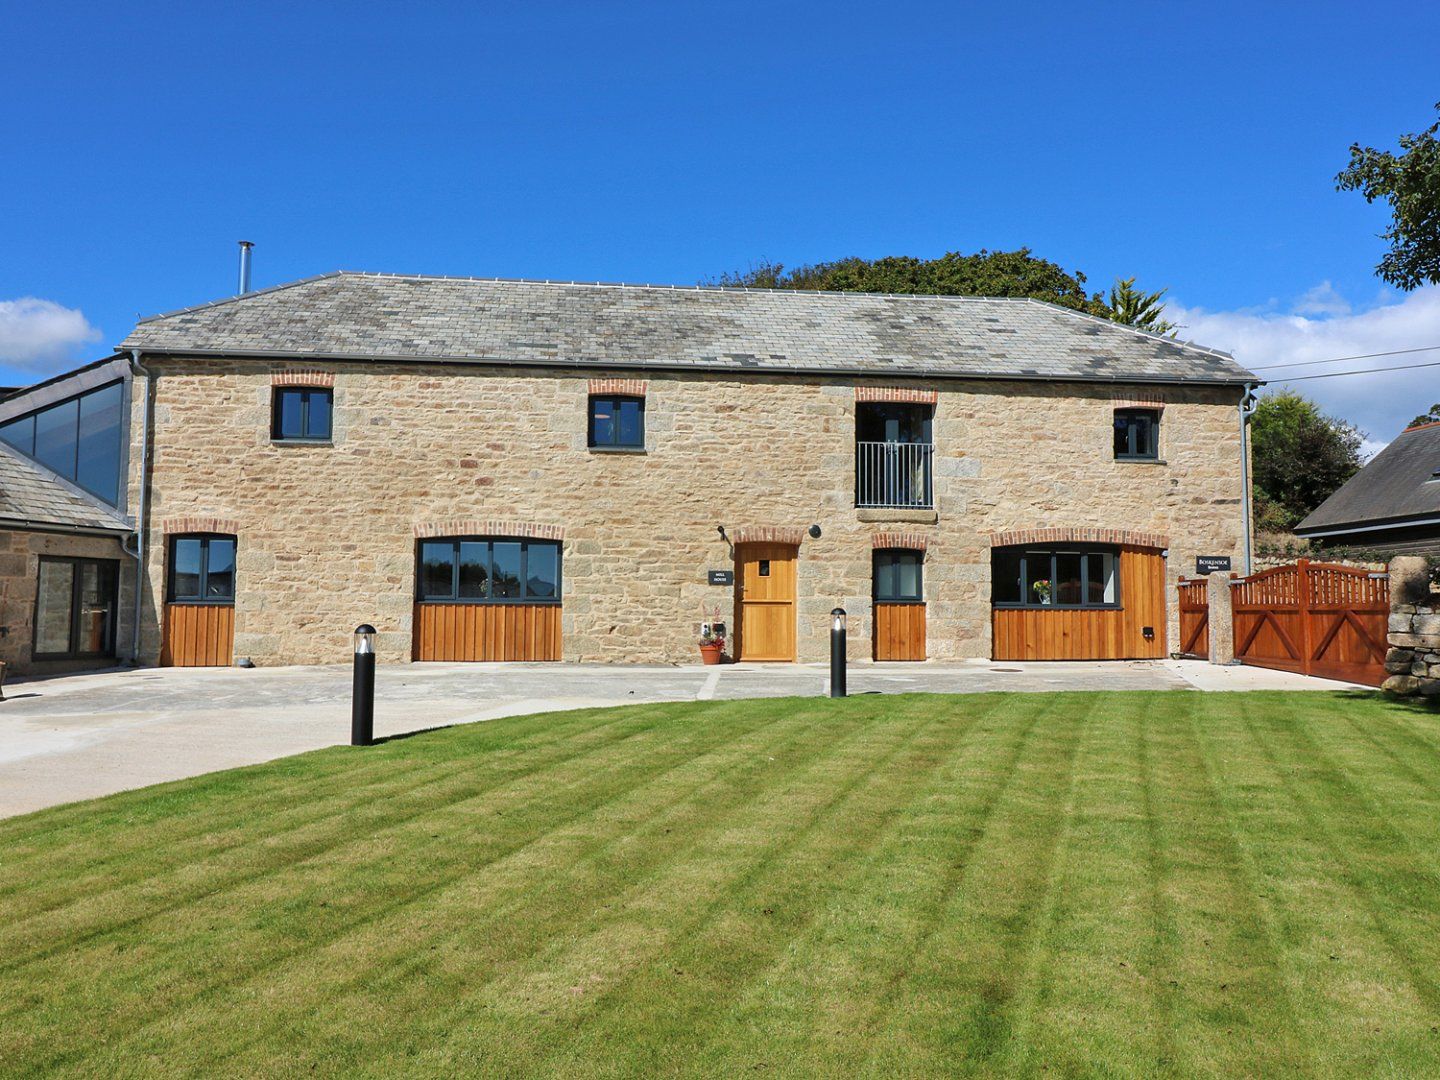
362 701
837 652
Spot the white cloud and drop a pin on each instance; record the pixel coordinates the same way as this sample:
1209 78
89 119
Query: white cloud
1321 325
39 335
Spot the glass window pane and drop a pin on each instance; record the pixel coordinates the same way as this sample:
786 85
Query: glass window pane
505 571
602 422
185 570
288 419
317 420
474 570
52 614
98 468
1145 432
1122 434
437 570
20 434
1005 576
630 433
542 571
1039 570
97 608
1067 577
907 569
884 587
55 437
1100 568
220 570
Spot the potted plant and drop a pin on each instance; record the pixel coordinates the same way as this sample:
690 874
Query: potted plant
1041 589
712 646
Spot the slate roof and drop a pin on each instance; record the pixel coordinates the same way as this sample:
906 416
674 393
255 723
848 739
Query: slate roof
350 315
30 495
1395 486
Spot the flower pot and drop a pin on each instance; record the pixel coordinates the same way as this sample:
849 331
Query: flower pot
711 654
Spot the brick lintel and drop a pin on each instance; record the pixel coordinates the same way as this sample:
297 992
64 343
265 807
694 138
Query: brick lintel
1083 534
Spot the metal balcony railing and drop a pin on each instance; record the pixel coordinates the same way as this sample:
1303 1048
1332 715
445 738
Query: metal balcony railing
894 475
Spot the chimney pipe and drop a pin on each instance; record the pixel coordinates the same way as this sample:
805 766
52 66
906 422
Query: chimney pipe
245 246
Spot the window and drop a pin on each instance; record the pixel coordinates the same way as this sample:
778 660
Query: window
1137 434
898 576
617 423
481 570
301 414
75 604
202 570
79 438
1054 577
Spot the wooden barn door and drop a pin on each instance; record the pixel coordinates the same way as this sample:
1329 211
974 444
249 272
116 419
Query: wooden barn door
765 601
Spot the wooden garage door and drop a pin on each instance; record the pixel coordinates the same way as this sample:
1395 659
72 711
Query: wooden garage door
765 601
466 632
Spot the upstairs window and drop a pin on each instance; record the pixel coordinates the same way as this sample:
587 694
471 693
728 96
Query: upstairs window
485 570
1137 434
202 570
617 423
899 576
301 414
1054 577
79 438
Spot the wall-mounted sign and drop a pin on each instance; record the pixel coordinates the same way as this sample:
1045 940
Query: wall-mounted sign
1209 564
721 577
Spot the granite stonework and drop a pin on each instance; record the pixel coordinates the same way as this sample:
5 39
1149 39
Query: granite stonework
327 532
1413 660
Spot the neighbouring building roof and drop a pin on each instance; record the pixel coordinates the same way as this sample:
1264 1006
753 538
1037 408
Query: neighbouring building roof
32 497
1397 486
380 316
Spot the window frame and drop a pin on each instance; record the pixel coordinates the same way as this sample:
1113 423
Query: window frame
1054 551
892 554
202 598
1129 413
525 542
122 448
305 392
614 445
72 653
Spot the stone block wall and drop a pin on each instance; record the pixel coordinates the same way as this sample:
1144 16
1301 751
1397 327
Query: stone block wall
1413 659
327 532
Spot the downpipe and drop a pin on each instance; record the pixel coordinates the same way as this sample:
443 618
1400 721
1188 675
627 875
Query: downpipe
137 371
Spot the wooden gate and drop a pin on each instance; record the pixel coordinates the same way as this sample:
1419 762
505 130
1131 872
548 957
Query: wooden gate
1195 618
1314 618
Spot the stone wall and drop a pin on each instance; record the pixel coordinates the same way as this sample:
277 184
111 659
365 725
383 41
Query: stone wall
20 553
327 532
1413 660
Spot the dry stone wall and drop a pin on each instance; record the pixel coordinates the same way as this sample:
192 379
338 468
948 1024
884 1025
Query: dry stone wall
327 532
1413 660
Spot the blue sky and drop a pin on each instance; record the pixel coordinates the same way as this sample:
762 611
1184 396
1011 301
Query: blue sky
1193 146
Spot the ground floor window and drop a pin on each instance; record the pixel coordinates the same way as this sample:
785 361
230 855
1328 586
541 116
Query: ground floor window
1067 576
898 575
75 605
488 570
202 570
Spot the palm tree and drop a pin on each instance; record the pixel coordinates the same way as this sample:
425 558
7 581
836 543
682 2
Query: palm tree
1137 308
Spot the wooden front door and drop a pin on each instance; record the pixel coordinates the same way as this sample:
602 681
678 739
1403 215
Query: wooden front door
765 601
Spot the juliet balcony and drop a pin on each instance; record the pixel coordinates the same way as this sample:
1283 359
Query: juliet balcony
895 475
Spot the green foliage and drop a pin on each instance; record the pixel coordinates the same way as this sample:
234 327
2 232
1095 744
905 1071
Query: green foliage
1431 417
1410 183
986 273
1138 308
1301 457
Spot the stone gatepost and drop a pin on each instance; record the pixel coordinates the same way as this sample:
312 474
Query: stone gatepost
1413 660
1221 618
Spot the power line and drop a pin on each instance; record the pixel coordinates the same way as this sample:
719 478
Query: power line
1339 359
1359 371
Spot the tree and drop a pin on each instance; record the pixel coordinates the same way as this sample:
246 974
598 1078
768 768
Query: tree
1431 417
1301 456
1137 308
986 273
1410 183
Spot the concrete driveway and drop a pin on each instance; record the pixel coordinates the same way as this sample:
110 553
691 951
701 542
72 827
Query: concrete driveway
80 736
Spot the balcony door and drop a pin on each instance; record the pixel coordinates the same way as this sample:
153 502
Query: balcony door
893 451
765 601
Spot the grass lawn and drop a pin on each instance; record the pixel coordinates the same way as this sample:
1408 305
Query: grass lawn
1126 883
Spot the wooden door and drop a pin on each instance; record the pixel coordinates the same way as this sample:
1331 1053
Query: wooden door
765 601
899 631
198 635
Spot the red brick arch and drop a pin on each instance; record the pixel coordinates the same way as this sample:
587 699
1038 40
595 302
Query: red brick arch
196 524
535 530
905 540
768 534
303 378
1082 534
